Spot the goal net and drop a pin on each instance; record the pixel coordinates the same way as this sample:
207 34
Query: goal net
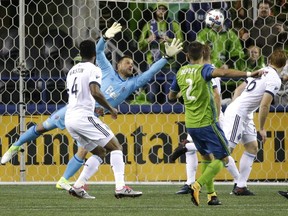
39 44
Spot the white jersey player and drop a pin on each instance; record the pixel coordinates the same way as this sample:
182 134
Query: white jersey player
83 85
255 93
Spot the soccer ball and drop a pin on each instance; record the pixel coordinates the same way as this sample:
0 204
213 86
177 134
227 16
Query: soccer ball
214 19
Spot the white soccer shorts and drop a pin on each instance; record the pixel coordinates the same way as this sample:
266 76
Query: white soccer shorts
89 131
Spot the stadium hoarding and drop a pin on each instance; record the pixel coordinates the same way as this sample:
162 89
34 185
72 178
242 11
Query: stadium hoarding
148 140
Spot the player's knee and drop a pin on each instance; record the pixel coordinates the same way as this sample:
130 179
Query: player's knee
100 152
81 152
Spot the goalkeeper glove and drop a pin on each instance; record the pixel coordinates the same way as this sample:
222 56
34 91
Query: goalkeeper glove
174 48
114 29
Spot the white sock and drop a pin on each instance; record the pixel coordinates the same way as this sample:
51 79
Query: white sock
190 146
90 168
191 166
245 168
232 169
118 166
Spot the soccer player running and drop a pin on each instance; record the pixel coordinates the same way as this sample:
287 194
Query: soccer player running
238 124
115 92
83 86
201 116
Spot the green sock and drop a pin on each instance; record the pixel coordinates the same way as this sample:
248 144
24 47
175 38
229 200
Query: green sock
210 172
209 184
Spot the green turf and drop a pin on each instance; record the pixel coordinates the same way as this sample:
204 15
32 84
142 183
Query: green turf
157 200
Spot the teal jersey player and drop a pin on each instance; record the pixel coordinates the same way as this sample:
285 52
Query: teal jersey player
199 102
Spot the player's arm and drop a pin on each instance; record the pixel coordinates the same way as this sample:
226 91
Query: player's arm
174 90
170 50
238 91
263 113
233 73
99 97
101 59
217 99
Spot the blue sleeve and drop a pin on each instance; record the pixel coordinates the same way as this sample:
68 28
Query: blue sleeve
101 59
146 76
207 71
174 86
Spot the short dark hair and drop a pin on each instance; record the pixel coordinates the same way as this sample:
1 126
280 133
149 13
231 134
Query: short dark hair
195 50
123 57
87 49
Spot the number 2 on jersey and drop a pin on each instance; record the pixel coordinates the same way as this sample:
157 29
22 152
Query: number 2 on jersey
188 92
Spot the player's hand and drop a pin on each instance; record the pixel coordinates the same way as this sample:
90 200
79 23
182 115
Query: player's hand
114 29
99 111
113 113
174 48
257 73
263 134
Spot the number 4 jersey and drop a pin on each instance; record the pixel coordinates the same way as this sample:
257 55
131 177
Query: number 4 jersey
78 81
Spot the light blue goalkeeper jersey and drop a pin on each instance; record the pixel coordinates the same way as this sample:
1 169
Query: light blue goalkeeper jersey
114 88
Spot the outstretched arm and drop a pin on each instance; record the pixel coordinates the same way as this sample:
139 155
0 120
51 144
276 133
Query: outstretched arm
171 50
101 59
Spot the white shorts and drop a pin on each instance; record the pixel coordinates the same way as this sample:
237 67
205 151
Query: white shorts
89 131
237 130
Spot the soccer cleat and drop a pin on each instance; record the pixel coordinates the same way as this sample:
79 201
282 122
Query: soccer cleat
10 153
127 192
63 184
283 193
244 191
195 190
180 150
213 199
184 190
80 193
234 186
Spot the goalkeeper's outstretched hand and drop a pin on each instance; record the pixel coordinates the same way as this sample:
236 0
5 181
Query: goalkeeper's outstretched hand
174 48
114 29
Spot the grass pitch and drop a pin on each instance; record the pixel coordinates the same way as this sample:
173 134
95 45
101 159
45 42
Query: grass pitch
44 200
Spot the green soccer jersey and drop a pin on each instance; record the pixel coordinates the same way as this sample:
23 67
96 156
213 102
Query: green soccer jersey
194 83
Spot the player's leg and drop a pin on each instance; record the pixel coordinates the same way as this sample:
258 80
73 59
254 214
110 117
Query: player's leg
118 167
74 164
249 139
31 134
245 167
191 167
233 135
208 141
91 166
54 121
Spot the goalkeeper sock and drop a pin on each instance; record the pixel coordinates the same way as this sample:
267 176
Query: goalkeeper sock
73 166
29 135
